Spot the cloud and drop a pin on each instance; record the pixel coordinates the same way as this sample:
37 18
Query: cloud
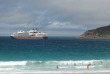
62 15
61 25
16 16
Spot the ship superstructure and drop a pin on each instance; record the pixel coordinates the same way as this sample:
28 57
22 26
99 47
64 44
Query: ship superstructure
32 34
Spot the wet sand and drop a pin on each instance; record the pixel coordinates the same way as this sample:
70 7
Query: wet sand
68 73
59 73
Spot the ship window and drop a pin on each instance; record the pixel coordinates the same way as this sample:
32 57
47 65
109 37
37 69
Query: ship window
33 32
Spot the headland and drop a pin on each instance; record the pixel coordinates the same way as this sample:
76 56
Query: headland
101 32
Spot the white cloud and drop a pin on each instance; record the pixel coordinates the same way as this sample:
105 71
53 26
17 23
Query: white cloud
61 25
77 15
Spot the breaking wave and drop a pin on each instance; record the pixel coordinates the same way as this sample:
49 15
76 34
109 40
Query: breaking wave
81 66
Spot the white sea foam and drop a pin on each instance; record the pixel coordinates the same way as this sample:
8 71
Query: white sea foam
72 62
12 63
6 69
52 65
79 67
81 62
63 67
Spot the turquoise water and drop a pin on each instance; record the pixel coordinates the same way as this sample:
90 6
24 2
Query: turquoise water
46 55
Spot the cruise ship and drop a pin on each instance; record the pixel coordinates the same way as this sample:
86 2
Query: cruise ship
32 34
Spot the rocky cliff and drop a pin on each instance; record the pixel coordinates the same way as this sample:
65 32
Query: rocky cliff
102 32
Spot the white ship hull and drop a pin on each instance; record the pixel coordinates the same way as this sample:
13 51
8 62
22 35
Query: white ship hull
36 38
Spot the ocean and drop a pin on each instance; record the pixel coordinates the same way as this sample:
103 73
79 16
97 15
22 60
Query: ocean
54 55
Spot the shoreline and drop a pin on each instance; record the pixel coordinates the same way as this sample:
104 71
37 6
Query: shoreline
54 72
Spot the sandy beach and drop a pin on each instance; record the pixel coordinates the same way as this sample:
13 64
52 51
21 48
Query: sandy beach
54 73
70 73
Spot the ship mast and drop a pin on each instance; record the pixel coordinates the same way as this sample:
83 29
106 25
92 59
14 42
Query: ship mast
33 28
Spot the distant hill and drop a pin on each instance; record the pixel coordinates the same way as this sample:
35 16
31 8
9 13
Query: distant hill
101 32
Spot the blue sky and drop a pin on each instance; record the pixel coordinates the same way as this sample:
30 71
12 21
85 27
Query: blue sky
55 17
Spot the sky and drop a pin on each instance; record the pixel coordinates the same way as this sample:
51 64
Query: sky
55 17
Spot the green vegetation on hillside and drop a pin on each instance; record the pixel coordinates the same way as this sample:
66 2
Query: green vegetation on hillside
103 30
100 31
